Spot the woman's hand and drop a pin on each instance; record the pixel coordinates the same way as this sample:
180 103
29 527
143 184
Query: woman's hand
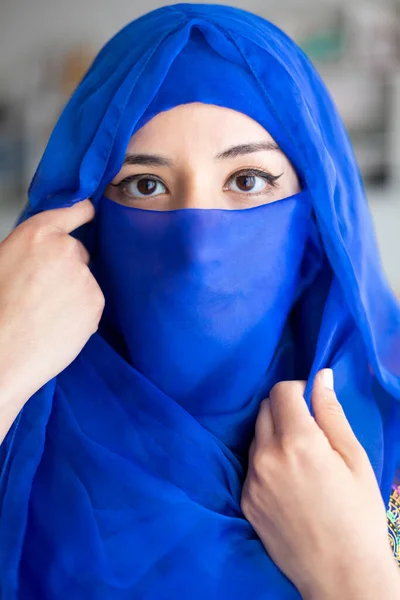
313 499
50 303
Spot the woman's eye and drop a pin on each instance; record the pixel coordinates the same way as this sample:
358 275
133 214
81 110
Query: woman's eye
251 182
140 186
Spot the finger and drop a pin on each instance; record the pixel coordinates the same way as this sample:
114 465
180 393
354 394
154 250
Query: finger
82 252
264 429
251 450
330 417
290 412
69 218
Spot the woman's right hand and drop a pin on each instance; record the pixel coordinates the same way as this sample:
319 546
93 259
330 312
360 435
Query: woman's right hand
50 303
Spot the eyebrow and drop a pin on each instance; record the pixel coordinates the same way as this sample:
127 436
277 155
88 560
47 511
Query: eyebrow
248 149
155 160
148 160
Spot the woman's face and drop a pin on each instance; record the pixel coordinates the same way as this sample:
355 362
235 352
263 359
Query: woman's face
202 156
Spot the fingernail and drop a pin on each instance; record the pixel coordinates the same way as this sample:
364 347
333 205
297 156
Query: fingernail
327 378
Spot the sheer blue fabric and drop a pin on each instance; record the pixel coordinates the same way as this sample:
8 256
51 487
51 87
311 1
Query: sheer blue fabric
189 292
121 478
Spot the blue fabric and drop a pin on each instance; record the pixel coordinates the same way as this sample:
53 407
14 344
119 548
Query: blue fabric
121 478
190 294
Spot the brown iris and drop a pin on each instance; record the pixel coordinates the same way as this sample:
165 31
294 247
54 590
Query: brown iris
146 186
245 182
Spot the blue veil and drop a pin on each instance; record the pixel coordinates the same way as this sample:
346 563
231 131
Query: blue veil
109 487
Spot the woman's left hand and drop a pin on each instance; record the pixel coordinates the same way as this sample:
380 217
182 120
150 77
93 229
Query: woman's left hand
312 497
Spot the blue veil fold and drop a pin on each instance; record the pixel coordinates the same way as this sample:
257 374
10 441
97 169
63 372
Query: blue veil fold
145 502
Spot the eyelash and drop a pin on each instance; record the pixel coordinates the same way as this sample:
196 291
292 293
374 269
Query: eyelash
270 179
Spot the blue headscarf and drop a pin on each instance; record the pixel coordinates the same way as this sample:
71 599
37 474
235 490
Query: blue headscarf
119 478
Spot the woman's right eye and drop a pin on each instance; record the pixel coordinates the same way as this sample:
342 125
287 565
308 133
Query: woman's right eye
141 186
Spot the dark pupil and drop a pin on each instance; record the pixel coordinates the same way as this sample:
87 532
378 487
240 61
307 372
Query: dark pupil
245 182
146 186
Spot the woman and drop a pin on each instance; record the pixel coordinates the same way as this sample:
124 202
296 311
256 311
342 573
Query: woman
230 246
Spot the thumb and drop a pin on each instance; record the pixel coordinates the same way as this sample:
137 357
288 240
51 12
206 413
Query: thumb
69 218
330 417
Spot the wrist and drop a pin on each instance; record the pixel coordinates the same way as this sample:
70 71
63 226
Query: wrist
358 583
17 382
13 396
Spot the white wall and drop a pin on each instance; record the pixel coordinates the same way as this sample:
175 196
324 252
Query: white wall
29 25
385 208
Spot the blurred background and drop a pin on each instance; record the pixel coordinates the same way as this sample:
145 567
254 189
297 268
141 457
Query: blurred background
46 46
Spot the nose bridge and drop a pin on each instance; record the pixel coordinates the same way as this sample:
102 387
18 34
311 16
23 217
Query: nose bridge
199 198
199 189
200 186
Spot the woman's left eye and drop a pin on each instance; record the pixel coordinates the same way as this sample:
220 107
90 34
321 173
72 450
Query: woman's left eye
251 181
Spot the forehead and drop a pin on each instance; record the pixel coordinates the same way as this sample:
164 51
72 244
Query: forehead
197 123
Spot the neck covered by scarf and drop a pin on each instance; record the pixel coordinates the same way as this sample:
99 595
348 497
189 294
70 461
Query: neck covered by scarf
200 299
121 478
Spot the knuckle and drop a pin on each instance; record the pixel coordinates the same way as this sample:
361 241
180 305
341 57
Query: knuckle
94 323
100 303
297 447
95 327
81 249
94 300
97 303
83 271
35 234
68 245
260 462
264 407
98 295
246 505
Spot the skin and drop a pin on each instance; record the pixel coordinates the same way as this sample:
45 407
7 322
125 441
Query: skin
316 529
50 304
196 177
312 497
